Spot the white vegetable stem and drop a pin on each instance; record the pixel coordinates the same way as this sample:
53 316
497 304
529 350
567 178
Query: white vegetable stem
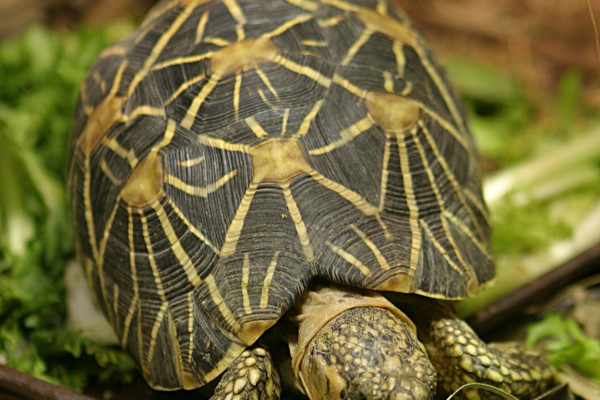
523 176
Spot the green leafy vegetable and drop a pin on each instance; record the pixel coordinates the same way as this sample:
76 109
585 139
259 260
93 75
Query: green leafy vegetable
565 343
41 72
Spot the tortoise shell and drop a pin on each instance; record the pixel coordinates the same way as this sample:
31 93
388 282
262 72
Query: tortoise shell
229 152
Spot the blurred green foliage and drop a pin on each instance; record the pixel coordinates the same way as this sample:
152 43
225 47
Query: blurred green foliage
41 72
565 343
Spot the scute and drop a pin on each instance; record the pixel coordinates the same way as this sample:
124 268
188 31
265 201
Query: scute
230 152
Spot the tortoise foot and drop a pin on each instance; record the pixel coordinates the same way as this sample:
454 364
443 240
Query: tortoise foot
460 357
250 377
368 353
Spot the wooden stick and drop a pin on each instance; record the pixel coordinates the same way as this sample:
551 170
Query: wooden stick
505 308
32 388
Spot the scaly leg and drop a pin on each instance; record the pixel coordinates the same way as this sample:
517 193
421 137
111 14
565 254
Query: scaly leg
460 357
251 376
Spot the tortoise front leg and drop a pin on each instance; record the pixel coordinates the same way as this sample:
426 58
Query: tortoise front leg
461 357
251 376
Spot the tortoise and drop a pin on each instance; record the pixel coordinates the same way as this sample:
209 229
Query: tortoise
285 185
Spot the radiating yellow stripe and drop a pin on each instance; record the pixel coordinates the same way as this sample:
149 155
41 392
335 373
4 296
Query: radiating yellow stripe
440 248
342 5
288 24
117 81
179 61
374 249
383 226
298 222
349 86
470 275
89 269
223 145
346 135
382 7
264 296
183 87
190 326
122 152
115 50
130 311
134 279
265 79
192 228
349 258
399 55
115 304
329 22
220 303
154 334
357 45
201 26
169 134
353 197
245 279
304 4
106 234
264 99
237 224
160 290
236 94
443 88
160 45
158 11
147 110
448 127
191 162
388 82
384 173
477 202
236 12
284 121
192 111
176 248
104 167
202 191
87 202
217 41
141 333
411 202
467 231
302 70
408 87
305 125
256 128
314 43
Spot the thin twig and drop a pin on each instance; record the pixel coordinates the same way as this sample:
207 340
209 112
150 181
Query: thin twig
32 388
503 309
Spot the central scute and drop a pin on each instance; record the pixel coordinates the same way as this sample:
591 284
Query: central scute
278 160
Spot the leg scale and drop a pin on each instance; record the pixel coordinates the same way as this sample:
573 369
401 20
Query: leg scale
250 377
